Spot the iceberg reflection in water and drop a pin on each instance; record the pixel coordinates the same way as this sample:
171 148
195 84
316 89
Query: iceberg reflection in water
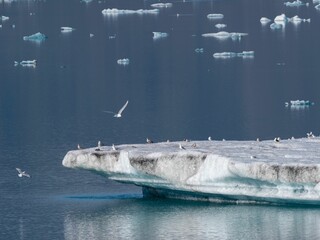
162 219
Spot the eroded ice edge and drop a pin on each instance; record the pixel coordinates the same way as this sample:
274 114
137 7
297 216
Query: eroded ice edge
231 171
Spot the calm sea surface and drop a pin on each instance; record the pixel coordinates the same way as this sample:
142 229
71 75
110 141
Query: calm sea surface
173 92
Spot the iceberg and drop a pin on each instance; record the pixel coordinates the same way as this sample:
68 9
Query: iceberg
161 5
225 35
244 54
37 37
281 19
124 61
287 171
67 29
158 35
215 16
115 11
220 25
296 3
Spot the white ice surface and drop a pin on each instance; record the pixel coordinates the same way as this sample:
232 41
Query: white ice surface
285 171
225 35
115 11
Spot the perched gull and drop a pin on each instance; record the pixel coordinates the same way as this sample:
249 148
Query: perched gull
181 147
117 115
209 139
99 144
79 147
277 139
22 173
194 145
113 147
310 135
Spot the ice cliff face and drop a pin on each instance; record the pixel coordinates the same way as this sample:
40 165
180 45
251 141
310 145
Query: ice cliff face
285 171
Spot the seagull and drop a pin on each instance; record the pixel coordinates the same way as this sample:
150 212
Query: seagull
194 145
22 173
79 147
118 115
149 141
113 147
277 139
258 140
181 147
209 138
310 135
99 144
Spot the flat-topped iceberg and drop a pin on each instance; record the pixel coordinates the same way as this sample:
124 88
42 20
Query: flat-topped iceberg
37 37
283 171
115 11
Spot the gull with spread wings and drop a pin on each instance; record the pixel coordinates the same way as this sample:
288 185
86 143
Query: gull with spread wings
22 173
117 115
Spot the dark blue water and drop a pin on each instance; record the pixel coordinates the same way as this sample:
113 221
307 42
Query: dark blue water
173 92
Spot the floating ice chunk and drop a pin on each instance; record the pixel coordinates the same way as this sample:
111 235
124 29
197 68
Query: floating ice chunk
67 29
124 61
220 25
158 35
225 35
244 54
265 20
91 35
37 37
26 63
4 18
297 19
317 7
86 1
115 11
301 102
215 16
296 3
275 26
199 50
281 19
225 55
161 5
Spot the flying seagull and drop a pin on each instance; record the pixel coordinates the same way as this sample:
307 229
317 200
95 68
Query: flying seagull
117 115
22 173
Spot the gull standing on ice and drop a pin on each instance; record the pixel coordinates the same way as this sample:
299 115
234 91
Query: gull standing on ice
181 147
22 173
209 139
118 115
114 148
149 140
79 147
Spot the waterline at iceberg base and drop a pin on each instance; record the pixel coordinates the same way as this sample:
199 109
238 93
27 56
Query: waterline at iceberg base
219 171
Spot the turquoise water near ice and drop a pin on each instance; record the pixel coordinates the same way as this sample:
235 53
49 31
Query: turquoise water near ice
173 92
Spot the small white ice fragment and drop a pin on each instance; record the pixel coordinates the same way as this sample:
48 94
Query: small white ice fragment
265 20
4 18
115 11
199 50
158 35
67 29
296 19
296 3
225 35
220 25
124 61
215 16
91 35
161 5
26 63
317 7
274 26
244 54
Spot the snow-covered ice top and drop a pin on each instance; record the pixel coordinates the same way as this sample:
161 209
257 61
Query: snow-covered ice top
265 20
115 11
273 171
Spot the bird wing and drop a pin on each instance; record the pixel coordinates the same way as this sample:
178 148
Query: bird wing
19 170
25 174
124 106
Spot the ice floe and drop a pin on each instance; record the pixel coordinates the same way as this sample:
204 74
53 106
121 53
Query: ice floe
115 11
26 63
161 5
37 37
199 50
220 25
265 20
296 3
215 16
159 35
244 54
124 61
67 29
225 35
4 18
299 103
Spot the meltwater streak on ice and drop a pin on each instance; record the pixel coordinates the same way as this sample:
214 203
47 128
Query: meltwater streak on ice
282 172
